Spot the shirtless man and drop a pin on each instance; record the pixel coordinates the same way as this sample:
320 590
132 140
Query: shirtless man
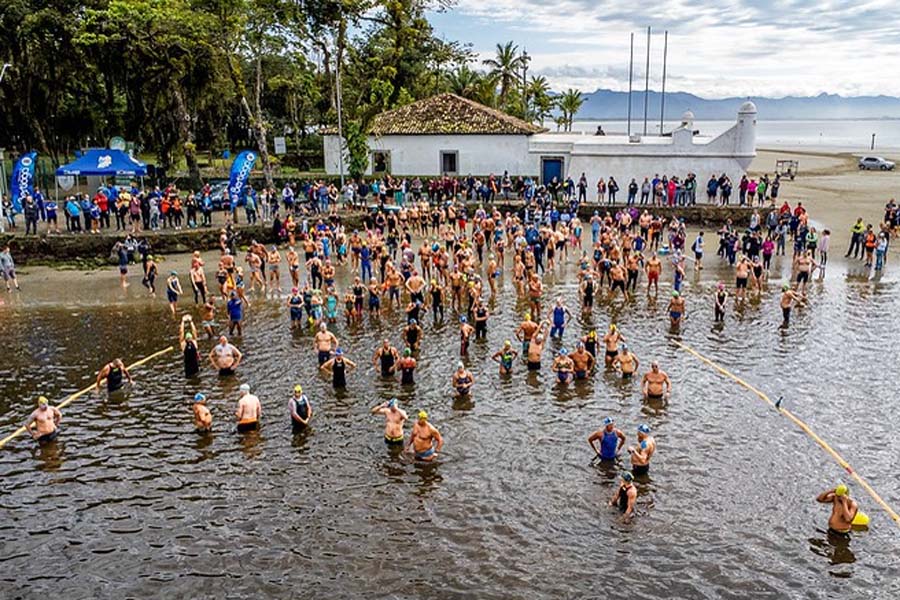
386 356
394 419
617 276
535 291
626 362
741 277
465 334
325 343
676 308
425 440
505 357
536 347
655 383
209 318
843 510
625 496
526 332
415 285
249 410
641 454
43 422
224 357
653 268
805 267
611 340
462 380
293 262
202 416
563 366
274 264
582 361
113 372
788 298
256 277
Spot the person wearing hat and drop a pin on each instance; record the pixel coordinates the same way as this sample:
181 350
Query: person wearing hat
721 298
325 343
173 291
235 308
225 357
625 496
426 440
676 308
394 419
505 357
465 334
626 362
202 416
582 361
43 422
656 383
563 366
301 410
462 380
113 372
407 366
611 340
641 454
189 346
611 440
249 410
788 298
338 367
525 332
843 510
536 347
412 333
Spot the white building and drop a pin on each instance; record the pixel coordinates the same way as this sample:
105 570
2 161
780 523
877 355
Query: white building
449 134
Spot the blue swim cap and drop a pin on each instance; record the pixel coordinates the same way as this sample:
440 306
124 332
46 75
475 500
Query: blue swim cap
563 351
392 403
198 397
644 428
608 421
463 319
339 352
627 476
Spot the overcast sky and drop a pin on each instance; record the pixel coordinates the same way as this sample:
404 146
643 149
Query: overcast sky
716 48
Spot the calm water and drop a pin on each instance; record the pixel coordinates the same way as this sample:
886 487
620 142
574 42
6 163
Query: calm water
853 135
129 501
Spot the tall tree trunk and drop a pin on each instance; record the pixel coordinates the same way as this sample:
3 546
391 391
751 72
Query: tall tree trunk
186 137
256 122
260 126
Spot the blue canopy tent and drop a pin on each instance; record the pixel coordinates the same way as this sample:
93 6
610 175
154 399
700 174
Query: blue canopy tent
103 162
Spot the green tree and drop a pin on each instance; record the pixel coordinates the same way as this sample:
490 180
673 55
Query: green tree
540 102
570 103
505 68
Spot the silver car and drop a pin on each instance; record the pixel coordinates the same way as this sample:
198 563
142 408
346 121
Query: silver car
869 163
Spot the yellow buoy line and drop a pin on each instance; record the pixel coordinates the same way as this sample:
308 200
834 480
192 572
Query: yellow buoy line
803 426
86 390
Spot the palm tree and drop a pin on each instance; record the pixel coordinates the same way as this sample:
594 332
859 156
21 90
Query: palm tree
505 67
569 103
464 82
540 101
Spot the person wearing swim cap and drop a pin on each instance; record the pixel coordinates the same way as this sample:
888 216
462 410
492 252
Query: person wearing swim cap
462 380
611 440
505 357
189 349
325 343
300 409
386 358
426 440
412 334
641 454
625 496
626 362
720 299
676 309
202 416
656 383
590 343
653 269
43 422
612 339
394 419
525 332
465 334
113 372
843 510
295 307
788 298
562 365
407 366
225 357
582 361
173 291
338 366
561 317
536 347
249 410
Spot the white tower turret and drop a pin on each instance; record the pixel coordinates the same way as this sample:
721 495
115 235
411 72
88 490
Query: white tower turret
745 143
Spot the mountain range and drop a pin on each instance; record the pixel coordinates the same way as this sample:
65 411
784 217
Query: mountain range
608 104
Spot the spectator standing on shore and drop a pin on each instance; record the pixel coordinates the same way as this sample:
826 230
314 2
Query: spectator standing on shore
30 210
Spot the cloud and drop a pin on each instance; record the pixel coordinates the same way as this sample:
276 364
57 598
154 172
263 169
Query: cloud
716 48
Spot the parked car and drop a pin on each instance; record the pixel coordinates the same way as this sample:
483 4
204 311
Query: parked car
868 163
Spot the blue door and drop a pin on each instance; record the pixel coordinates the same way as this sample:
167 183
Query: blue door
550 168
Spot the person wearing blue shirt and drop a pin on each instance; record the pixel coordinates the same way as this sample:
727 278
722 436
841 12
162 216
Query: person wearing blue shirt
365 262
235 314
73 215
86 205
250 205
51 208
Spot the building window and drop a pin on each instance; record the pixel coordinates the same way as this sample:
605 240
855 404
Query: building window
449 162
381 162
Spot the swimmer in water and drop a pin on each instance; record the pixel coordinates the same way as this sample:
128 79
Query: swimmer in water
224 357
641 454
536 347
561 317
611 340
113 372
394 419
656 384
626 362
425 440
582 361
505 357
249 410
462 380
625 496
338 366
563 366
788 298
526 332
202 416
300 409
43 423
189 350
676 309
465 334
325 342
407 366
611 440
843 510
173 292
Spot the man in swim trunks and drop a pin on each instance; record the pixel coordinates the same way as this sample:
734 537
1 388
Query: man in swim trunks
425 440
641 454
325 342
505 357
676 308
209 318
741 277
612 339
224 357
526 332
653 268
462 380
394 419
582 361
625 496
202 416
301 410
113 372
386 356
536 347
788 298
626 362
43 422
655 383
843 510
563 366
611 440
249 410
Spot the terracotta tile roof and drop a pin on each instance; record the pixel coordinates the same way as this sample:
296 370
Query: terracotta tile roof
446 114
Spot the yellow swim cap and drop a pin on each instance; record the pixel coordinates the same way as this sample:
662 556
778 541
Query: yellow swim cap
612 326
43 400
423 416
297 388
841 490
